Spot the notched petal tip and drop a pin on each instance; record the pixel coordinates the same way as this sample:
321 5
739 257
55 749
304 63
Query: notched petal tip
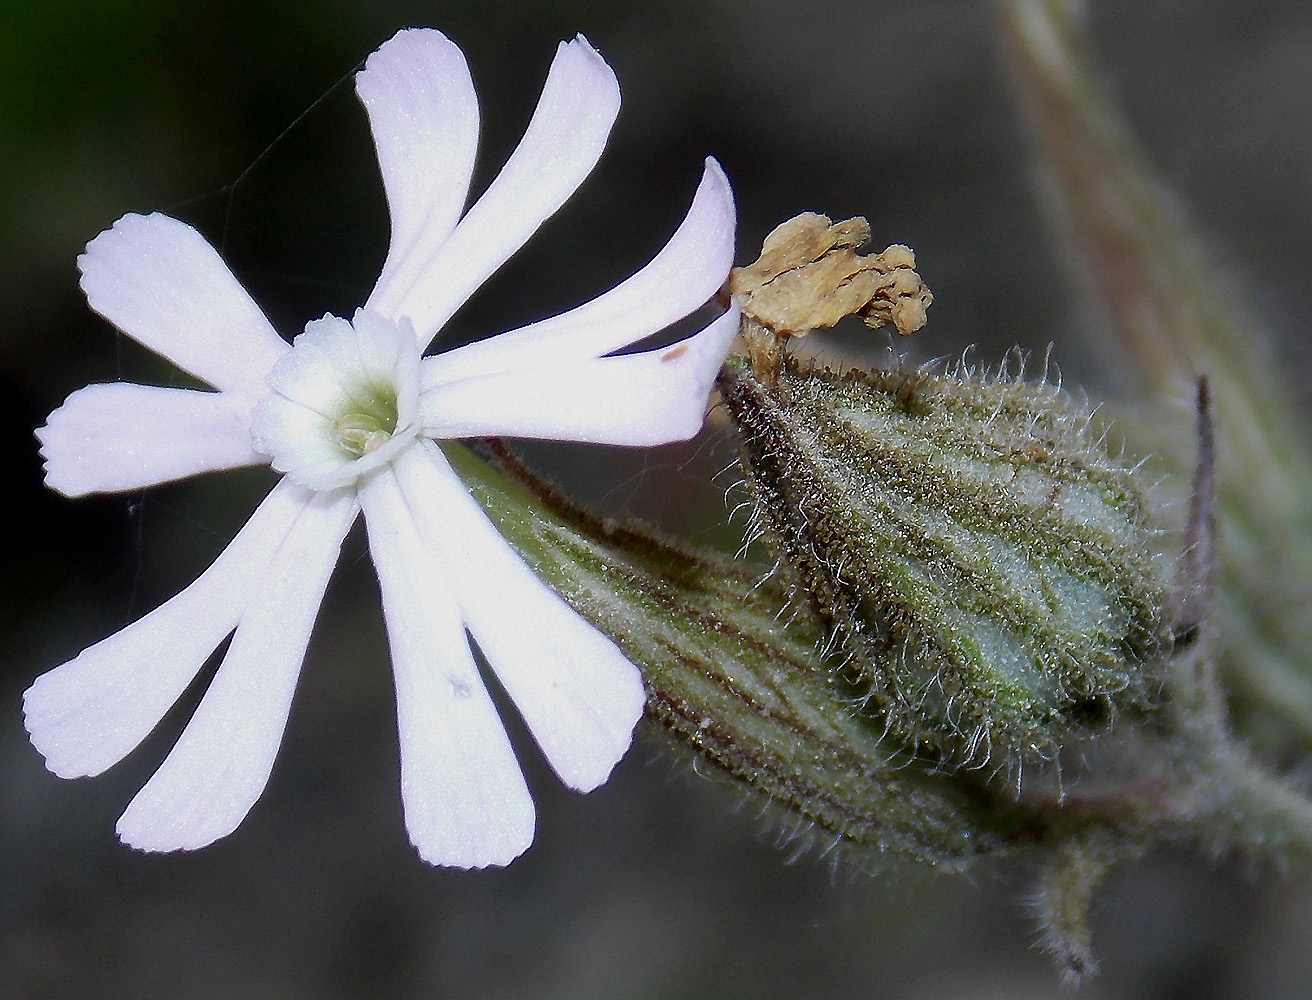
118 436
67 461
716 184
585 49
159 281
125 228
578 56
420 68
615 718
407 41
584 727
154 838
467 845
56 477
43 710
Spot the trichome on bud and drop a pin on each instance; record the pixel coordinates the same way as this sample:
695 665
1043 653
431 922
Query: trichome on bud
985 562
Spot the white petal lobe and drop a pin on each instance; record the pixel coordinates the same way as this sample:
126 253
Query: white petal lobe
641 399
577 692
221 763
92 711
162 284
424 116
466 804
119 436
690 269
563 142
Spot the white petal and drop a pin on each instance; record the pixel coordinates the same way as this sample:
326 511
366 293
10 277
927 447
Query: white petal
633 399
221 763
337 365
424 116
577 692
563 142
466 803
120 436
158 281
92 711
683 276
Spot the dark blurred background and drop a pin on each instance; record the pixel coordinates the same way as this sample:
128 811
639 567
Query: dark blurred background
661 885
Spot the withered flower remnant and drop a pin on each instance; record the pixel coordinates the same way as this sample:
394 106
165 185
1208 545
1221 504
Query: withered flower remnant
809 276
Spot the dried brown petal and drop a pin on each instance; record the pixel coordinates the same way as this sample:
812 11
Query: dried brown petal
809 277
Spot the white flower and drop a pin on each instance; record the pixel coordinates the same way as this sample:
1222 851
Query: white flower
350 414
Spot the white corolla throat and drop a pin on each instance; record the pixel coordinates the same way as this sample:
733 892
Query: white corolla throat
343 402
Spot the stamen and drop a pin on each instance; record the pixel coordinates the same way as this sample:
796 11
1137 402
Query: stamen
360 433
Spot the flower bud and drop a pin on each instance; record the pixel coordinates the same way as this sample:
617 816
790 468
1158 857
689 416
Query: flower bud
990 570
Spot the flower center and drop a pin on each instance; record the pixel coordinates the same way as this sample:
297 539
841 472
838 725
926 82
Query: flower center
366 429
343 402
